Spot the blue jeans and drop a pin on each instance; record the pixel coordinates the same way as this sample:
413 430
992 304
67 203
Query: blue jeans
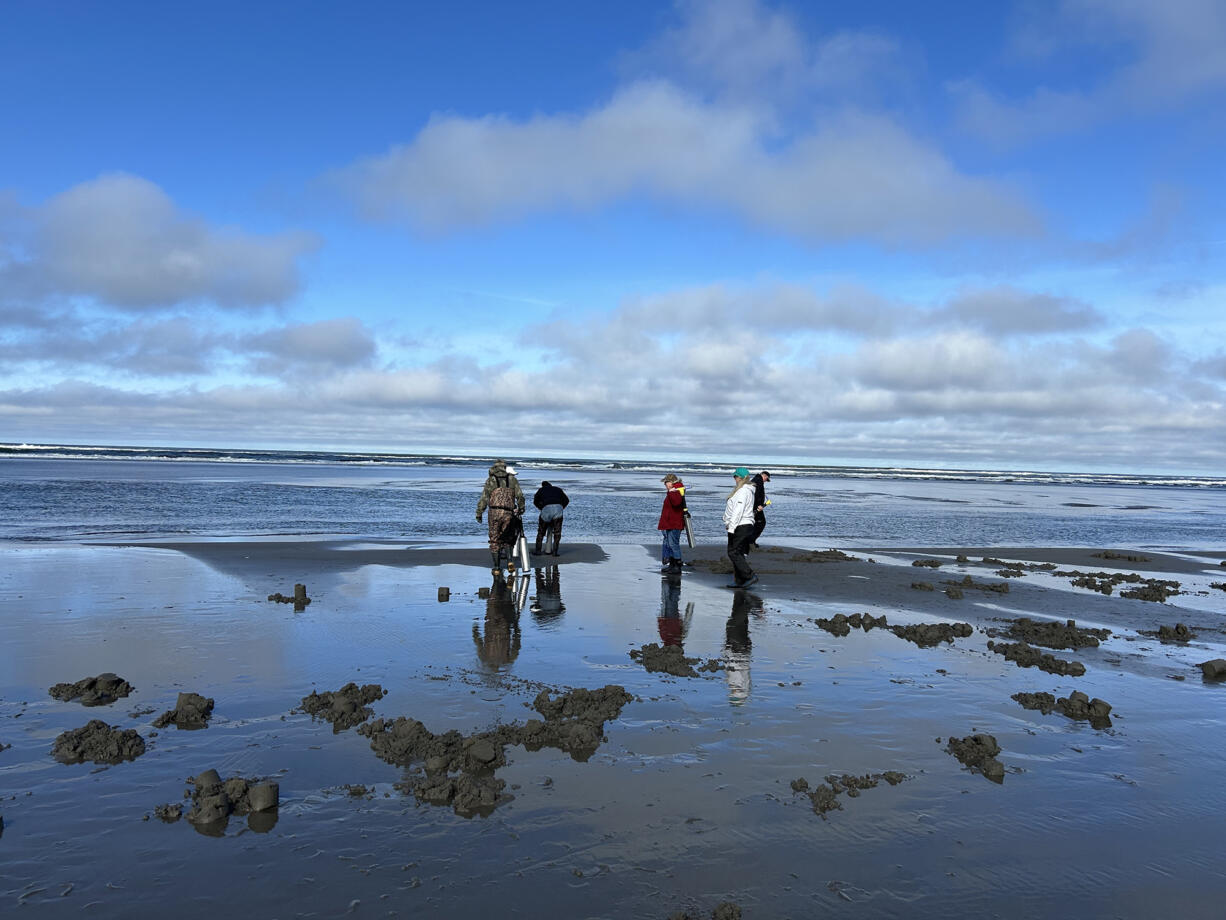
671 548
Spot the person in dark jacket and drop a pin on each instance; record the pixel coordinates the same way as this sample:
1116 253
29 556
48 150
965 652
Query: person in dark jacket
760 502
672 522
552 502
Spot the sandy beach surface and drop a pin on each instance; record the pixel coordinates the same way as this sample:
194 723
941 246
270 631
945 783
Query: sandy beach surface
803 770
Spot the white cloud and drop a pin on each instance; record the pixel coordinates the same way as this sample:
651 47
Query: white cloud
120 241
1006 310
1213 366
745 50
952 395
150 347
315 348
782 306
960 360
1140 355
1173 54
850 176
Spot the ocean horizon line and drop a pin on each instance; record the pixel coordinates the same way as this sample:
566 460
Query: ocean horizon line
256 455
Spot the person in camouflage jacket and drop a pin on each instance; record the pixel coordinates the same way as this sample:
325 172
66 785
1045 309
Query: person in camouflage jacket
505 501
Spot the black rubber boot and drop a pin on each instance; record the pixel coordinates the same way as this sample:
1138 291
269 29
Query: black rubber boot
496 559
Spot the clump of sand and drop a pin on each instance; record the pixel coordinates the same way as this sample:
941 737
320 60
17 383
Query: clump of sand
1076 705
1026 656
1052 634
214 800
345 707
459 770
94 691
824 796
191 711
98 742
978 754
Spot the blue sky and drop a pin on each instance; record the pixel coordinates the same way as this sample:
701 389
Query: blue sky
947 234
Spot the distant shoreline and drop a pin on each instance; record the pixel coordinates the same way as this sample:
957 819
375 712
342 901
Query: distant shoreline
898 472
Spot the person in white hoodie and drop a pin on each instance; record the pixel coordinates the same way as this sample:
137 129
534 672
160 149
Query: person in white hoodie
739 522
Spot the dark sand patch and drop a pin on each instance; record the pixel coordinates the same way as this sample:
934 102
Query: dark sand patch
1026 656
345 707
1053 557
1156 590
192 711
725 910
823 556
98 742
94 691
1076 705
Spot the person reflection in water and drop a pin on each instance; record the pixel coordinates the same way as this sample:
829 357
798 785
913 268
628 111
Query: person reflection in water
737 645
670 622
499 645
547 606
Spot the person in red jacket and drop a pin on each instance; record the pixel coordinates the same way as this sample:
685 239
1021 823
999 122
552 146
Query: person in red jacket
672 522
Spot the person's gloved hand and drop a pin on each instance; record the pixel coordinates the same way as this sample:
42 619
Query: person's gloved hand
478 519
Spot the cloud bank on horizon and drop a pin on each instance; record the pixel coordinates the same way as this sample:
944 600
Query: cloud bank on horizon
953 236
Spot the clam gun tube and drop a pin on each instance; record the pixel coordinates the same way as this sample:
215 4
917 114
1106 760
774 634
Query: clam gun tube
689 531
521 550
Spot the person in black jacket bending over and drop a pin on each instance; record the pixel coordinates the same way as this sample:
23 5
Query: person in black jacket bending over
552 501
759 506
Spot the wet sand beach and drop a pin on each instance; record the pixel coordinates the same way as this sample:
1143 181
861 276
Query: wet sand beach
806 770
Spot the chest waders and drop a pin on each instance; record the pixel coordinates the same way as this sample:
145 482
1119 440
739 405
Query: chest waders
502 498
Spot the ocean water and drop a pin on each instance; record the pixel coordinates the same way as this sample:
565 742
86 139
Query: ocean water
78 494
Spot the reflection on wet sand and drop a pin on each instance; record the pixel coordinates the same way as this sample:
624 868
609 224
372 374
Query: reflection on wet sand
547 607
737 645
673 627
499 645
